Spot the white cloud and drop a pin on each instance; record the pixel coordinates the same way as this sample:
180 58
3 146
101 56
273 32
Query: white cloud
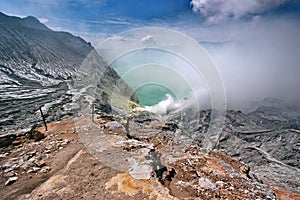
58 28
215 11
147 38
43 20
116 22
263 62
120 38
16 15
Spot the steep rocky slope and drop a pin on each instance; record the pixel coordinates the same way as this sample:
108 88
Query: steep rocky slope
37 69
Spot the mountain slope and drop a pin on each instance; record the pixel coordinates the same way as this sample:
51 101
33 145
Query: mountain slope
37 68
34 52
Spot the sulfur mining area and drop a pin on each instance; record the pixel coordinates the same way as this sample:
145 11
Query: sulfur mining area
88 149
69 163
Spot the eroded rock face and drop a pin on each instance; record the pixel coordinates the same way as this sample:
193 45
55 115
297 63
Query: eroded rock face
215 175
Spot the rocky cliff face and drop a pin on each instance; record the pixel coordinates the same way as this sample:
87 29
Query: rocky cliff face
37 69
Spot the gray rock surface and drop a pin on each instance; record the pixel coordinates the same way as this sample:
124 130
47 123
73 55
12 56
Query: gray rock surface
267 141
38 68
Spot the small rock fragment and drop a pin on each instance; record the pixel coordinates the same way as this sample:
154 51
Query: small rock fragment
206 183
114 127
8 170
65 142
11 180
3 155
47 151
36 135
48 147
10 174
18 140
45 169
220 183
24 166
32 160
7 139
7 165
40 163
31 153
141 172
35 169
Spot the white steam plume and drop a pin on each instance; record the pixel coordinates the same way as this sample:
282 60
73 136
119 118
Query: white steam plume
163 107
196 99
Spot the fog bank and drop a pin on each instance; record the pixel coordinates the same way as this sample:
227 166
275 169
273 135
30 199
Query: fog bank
263 62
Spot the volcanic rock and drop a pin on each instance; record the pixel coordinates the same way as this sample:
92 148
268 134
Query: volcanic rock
11 180
7 139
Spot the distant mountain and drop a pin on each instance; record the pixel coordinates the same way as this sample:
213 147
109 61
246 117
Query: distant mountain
43 55
37 69
275 113
29 22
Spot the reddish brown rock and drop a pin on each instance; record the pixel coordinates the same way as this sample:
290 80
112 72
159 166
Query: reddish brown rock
19 140
215 176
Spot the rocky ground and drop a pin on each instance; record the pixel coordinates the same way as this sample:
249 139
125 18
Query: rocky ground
107 158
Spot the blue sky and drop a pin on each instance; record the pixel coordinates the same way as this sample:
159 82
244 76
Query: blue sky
98 18
110 16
